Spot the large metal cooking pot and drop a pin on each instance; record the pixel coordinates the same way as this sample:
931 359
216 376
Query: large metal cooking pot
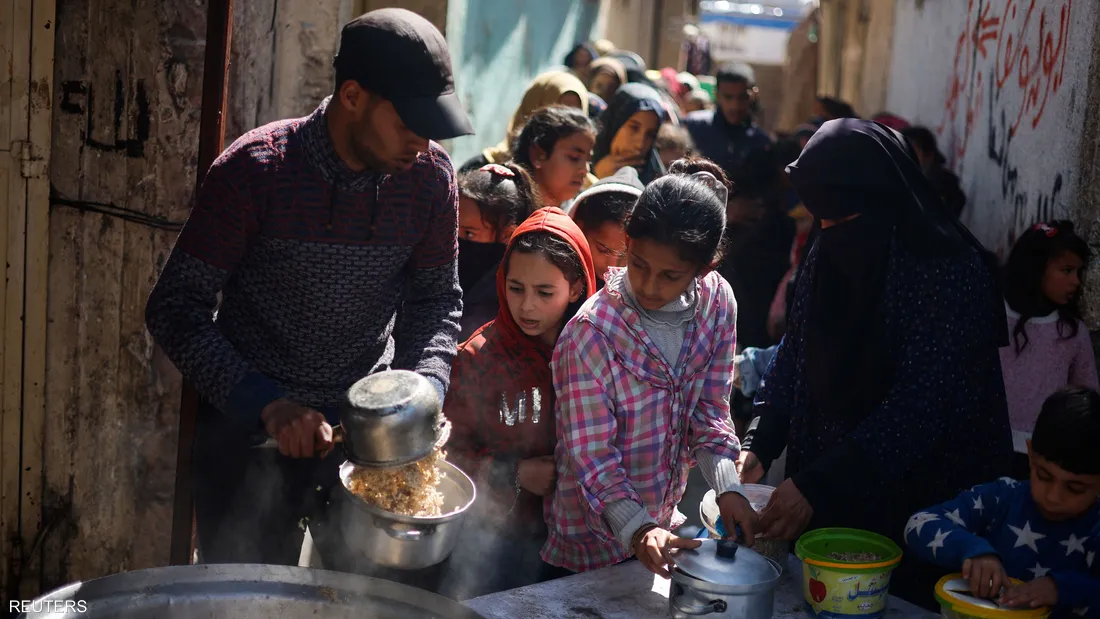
407 542
244 592
390 418
736 583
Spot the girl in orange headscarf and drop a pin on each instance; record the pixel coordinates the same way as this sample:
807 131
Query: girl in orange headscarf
501 403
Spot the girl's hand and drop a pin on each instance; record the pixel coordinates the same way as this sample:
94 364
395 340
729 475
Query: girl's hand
653 549
611 164
736 510
537 475
749 468
788 513
1035 594
986 575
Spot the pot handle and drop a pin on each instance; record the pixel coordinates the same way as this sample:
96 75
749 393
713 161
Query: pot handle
404 535
711 607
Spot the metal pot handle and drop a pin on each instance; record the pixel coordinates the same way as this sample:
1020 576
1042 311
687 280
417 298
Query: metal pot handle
411 535
711 607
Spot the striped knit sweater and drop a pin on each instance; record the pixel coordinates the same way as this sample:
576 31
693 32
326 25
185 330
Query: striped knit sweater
326 274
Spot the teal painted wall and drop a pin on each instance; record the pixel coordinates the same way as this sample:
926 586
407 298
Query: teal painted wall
498 46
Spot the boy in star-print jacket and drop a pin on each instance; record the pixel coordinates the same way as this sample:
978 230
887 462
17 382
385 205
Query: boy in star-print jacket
1045 531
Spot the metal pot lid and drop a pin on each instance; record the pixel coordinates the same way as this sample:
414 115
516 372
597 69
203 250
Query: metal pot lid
745 568
384 393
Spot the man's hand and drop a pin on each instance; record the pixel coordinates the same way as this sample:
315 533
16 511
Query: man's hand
301 431
736 510
749 467
986 575
1035 594
654 547
788 513
537 475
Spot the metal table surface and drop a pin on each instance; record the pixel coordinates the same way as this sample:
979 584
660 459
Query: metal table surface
629 591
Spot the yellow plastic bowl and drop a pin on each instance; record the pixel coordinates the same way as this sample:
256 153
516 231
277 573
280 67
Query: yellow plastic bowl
955 605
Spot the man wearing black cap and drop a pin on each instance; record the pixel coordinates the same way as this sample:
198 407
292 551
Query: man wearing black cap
332 240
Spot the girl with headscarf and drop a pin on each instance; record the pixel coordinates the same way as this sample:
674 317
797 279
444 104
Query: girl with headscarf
628 132
606 75
887 388
579 58
633 64
501 404
550 88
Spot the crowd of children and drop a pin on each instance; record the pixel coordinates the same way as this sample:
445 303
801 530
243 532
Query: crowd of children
617 302
610 367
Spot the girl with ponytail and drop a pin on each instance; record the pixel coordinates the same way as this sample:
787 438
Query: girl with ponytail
643 376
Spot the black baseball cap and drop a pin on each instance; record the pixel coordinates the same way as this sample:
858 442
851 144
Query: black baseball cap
401 56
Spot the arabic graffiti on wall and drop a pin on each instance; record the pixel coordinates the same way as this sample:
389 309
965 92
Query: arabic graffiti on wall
1010 60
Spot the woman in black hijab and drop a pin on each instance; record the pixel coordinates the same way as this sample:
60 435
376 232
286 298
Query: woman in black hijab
628 133
887 389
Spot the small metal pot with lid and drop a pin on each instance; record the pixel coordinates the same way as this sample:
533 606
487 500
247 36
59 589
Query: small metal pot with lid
723 579
390 419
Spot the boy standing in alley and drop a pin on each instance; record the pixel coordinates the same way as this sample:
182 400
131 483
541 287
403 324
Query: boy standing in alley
1044 531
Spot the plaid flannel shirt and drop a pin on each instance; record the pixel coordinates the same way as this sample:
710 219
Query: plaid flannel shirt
628 422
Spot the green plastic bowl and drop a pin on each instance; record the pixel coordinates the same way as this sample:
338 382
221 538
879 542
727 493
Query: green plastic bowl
837 590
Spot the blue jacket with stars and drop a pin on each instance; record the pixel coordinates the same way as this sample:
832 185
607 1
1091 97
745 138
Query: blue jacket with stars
1001 518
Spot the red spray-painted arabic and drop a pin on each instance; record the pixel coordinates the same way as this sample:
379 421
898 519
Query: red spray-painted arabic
1030 58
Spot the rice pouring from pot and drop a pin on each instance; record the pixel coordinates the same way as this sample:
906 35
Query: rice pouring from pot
409 490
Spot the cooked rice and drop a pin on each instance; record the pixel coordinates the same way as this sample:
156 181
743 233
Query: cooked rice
410 490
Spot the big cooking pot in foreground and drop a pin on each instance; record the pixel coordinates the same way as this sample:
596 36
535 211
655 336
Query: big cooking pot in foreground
245 592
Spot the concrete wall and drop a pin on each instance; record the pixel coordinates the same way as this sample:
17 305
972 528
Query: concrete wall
1004 84
282 54
283 49
856 39
281 65
629 25
497 47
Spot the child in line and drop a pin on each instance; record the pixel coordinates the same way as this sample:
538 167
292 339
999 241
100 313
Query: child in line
628 132
673 142
555 147
601 212
1049 345
1045 531
492 201
501 403
643 376
549 88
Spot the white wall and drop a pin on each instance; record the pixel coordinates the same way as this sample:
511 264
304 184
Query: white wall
1008 106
